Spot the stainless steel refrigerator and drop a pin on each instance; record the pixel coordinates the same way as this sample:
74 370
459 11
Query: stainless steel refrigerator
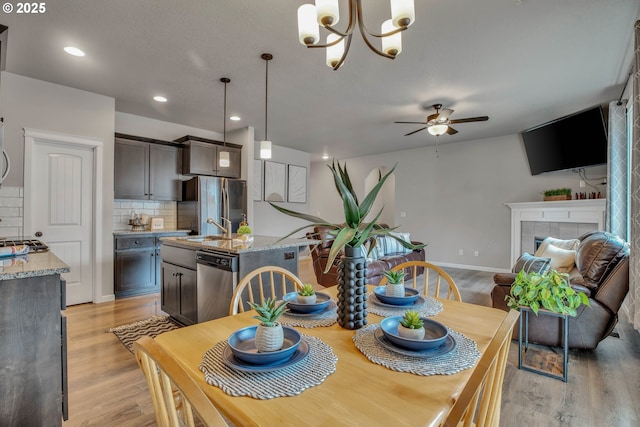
205 197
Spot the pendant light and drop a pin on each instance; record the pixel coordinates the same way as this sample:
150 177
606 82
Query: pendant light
265 145
223 157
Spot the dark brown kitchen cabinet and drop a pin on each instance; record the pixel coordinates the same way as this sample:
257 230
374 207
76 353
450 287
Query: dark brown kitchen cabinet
146 170
179 293
33 352
201 157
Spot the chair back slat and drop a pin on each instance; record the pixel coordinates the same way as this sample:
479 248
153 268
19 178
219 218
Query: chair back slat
174 394
271 282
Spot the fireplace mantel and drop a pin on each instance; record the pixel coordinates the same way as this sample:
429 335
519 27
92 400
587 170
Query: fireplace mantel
589 211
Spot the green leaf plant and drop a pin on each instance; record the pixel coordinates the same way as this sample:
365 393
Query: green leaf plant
268 311
306 290
412 320
394 277
354 232
550 291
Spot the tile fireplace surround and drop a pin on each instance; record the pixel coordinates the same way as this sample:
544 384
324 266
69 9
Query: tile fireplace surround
567 219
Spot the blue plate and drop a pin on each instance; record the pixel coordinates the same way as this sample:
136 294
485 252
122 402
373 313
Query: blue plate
233 362
332 306
448 345
416 304
322 301
243 346
435 334
410 296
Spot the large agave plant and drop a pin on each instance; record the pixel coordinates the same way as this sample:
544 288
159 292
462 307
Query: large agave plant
354 232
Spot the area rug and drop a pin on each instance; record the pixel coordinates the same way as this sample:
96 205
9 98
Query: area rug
154 326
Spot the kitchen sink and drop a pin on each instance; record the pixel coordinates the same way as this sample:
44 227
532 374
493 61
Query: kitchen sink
205 238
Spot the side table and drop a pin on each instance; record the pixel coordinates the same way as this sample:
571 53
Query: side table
524 323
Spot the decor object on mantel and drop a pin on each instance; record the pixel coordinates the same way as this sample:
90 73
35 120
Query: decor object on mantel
557 194
438 123
349 241
265 144
325 13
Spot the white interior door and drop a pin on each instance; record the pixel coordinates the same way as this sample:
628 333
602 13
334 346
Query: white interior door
61 209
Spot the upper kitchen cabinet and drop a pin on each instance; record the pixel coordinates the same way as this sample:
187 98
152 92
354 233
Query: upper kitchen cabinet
146 169
201 157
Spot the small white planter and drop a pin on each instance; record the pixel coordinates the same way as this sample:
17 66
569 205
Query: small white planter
269 338
310 299
394 290
413 334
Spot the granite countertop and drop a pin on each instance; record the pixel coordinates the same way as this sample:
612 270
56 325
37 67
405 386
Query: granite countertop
259 243
149 232
31 265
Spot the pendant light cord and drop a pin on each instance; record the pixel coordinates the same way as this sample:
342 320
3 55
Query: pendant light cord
267 57
224 80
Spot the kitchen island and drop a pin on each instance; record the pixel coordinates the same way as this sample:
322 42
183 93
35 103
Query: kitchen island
200 273
32 340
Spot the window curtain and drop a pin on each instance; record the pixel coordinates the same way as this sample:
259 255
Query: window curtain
617 170
634 261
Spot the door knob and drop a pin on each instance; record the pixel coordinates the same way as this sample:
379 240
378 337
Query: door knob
38 233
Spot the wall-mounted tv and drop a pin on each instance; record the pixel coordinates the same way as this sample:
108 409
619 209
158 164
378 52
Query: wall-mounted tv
571 142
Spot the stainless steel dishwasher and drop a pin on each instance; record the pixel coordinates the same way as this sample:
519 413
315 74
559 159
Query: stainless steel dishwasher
217 278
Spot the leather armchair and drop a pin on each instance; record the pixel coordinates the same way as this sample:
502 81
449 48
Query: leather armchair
375 269
602 261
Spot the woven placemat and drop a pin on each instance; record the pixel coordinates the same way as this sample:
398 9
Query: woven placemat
327 318
464 356
430 307
154 326
289 381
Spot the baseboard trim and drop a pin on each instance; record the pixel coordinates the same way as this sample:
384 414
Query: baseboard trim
471 267
105 298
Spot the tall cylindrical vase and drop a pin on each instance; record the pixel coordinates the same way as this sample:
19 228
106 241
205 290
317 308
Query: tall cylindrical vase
352 288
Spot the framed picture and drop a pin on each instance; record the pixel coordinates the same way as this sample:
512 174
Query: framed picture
297 184
157 223
257 180
274 181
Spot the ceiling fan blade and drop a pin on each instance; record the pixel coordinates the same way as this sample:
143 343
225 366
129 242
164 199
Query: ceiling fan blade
470 119
444 114
411 133
432 117
451 131
414 123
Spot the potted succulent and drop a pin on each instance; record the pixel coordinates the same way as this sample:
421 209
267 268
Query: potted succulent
269 334
411 326
349 241
395 283
306 294
549 290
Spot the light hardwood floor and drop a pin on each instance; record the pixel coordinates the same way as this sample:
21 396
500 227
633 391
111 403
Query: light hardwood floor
108 389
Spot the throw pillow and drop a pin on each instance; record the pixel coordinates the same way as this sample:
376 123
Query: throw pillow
530 263
571 244
387 245
562 260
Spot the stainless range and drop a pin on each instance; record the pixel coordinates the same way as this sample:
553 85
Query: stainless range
34 244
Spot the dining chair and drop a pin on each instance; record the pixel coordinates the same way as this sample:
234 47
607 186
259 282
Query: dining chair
480 400
430 270
264 282
174 394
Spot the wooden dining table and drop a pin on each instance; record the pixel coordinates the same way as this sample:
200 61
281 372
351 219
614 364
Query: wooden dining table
358 393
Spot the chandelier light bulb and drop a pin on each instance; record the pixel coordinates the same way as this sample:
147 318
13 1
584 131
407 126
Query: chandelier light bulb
328 12
308 30
335 52
402 13
391 45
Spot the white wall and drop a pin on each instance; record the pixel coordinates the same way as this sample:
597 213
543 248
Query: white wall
266 220
36 104
455 198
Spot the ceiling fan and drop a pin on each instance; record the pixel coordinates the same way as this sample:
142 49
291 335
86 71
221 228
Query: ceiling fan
439 123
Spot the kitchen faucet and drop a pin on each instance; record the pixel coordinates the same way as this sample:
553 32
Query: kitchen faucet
227 229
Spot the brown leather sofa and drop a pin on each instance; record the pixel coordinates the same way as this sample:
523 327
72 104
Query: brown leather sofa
375 269
602 261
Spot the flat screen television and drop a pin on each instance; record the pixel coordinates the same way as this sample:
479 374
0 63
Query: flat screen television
571 142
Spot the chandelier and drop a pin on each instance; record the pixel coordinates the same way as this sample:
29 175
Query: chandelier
325 14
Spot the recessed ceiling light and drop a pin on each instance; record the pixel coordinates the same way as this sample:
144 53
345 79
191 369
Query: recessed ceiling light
160 98
234 118
73 51
325 156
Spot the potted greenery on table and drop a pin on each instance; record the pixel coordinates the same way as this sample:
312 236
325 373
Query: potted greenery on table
306 294
549 290
349 241
269 334
395 283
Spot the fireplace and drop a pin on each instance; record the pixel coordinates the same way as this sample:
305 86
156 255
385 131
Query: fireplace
562 219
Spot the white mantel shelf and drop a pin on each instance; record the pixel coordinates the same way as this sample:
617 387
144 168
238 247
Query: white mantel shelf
589 211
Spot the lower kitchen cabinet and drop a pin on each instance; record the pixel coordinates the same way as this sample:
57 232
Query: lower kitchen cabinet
179 293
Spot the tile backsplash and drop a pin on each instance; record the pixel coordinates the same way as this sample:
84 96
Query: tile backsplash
123 210
11 211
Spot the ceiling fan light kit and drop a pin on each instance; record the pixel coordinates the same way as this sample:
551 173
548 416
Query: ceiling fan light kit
326 14
439 123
